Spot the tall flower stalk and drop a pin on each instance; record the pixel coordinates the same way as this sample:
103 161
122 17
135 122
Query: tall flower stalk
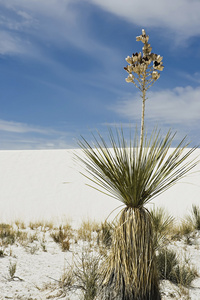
134 173
143 72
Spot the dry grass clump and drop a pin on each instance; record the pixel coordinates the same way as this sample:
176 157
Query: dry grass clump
62 236
12 270
22 237
186 229
82 276
7 234
105 234
41 225
33 237
170 268
194 217
87 230
162 226
20 224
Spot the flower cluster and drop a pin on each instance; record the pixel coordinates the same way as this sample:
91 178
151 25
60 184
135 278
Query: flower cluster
140 63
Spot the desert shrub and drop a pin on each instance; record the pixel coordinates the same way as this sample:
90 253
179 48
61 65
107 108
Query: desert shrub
2 253
86 273
105 234
86 230
48 225
186 228
82 276
183 274
33 237
7 234
170 268
195 217
22 237
67 280
182 231
59 235
65 245
12 270
162 223
20 224
32 249
62 236
36 225
166 261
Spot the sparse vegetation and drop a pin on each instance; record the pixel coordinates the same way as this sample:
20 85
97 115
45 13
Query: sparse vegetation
83 276
7 234
12 270
105 234
162 225
170 268
87 229
194 218
62 236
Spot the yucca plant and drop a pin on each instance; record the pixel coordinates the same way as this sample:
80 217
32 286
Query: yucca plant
134 173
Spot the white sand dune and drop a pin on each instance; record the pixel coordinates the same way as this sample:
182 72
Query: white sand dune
42 184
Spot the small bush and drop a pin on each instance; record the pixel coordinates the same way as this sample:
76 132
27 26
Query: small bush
166 261
7 234
186 228
195 217
2 253
65 245
12 270
22 237
32 249
162 224
33 237
183 275
82 275
86 230
169 268
36 225
86 273
67 281
105 234
62 236
20 224
183 230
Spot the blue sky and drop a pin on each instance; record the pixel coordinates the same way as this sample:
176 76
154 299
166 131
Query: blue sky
62 73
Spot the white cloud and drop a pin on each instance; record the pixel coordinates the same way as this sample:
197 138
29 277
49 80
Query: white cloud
17 127
62 21
29 25
180 16
45 19
10 44
17 135
180 105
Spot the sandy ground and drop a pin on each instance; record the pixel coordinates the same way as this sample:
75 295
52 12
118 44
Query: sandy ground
38 272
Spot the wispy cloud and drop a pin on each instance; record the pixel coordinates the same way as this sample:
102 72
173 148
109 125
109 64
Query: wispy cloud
48 21
33 28
18 127
180 16
180 105
10 44
16 135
